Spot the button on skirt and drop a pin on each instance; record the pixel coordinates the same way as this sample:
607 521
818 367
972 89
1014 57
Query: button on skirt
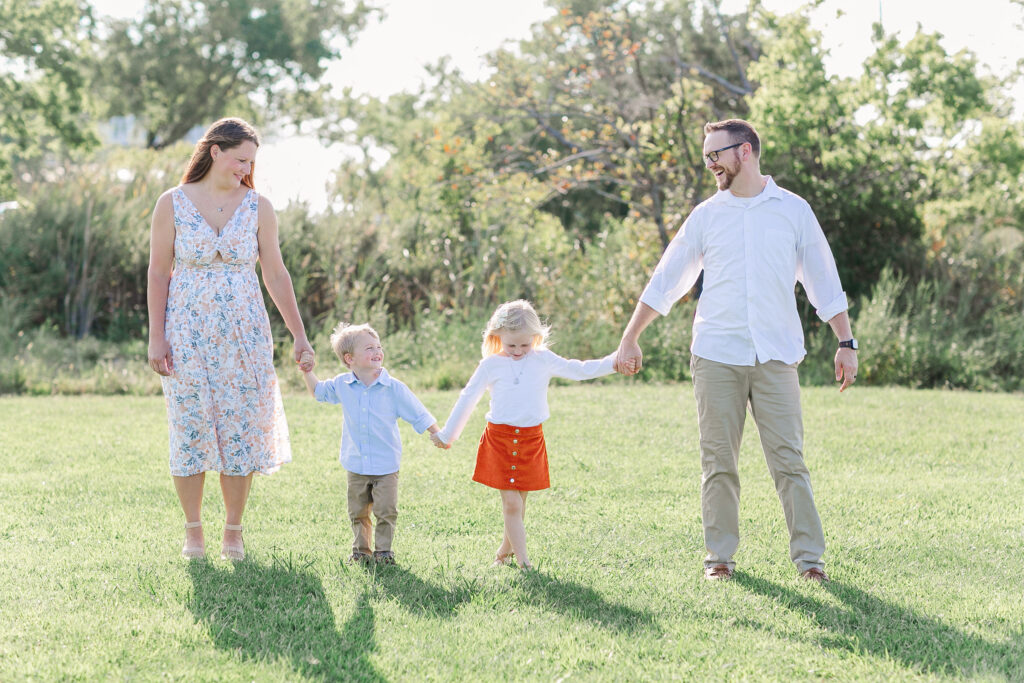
513 458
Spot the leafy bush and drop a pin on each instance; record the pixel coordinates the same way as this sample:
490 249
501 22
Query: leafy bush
75 253
933 333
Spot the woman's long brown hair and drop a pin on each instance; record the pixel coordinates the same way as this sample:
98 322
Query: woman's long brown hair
226 133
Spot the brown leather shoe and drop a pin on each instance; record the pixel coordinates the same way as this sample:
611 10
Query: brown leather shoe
816 575
384 556
719 572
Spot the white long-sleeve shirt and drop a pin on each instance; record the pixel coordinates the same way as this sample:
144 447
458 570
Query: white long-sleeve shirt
519 388
753 251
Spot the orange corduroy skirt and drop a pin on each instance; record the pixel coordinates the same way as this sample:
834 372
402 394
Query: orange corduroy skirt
512 458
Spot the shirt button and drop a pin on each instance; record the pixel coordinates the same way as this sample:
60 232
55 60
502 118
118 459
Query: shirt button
515 452
511 481
513 466
515 440
517 431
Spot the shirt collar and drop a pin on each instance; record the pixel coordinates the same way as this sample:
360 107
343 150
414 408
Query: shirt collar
383 378
770 191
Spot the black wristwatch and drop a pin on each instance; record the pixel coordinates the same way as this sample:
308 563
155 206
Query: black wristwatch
849 344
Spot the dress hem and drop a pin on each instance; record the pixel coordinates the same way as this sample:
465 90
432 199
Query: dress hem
266 472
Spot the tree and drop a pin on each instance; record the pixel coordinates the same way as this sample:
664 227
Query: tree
864 152
184 63
42 88
606 102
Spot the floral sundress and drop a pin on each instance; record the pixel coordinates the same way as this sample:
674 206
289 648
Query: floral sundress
224 408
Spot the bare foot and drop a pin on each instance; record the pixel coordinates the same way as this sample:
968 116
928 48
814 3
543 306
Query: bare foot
501 560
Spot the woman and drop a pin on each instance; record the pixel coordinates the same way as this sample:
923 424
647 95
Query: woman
209 334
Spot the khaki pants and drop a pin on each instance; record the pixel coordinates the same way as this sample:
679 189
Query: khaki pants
378 493
772 392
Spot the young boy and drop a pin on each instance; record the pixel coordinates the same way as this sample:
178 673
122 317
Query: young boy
371 450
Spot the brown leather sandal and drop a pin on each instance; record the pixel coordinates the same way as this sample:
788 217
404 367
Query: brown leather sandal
719 572
816 575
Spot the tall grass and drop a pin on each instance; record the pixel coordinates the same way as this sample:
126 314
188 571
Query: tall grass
928 334
73 262
907 333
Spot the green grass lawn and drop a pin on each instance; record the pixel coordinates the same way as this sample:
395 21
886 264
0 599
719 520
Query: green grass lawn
921 494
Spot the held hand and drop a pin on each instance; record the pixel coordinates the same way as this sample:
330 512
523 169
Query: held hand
305 357
846 367
160 358
436 439
630 359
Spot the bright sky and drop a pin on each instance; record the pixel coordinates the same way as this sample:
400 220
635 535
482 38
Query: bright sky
390 56
990 28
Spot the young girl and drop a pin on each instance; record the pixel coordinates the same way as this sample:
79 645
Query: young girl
512 457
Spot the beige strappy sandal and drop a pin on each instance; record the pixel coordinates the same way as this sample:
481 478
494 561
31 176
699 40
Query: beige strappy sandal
193 552
232 552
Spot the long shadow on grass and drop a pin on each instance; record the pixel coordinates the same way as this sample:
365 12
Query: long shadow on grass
421 596
865 623
269 612
582 601
571 598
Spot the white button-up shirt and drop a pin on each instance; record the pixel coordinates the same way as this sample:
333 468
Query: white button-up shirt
753 251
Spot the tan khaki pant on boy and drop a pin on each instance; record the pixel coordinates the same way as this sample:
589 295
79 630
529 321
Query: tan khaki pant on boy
378 493
772 392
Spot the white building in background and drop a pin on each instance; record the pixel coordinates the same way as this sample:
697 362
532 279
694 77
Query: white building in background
292 168
126 132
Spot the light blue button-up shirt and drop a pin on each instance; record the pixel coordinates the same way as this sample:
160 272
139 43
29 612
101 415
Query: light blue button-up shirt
369 439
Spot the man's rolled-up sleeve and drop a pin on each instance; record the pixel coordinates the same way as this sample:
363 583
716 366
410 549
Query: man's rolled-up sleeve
816 269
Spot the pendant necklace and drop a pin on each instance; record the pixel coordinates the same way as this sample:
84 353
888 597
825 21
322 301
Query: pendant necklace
515 375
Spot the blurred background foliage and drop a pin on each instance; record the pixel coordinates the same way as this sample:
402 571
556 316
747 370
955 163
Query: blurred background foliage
559 178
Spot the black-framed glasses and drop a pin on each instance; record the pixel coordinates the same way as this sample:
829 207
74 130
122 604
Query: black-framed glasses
712 156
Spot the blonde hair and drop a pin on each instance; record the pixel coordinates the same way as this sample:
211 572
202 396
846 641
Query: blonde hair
343 338
513 316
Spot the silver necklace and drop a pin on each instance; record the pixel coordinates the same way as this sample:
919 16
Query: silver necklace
512 369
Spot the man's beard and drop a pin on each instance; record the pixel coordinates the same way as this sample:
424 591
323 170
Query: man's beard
728 175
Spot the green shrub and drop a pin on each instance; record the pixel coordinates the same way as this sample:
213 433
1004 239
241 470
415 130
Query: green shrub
75 253
933 334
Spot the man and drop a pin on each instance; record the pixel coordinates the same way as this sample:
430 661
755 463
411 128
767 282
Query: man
754 241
